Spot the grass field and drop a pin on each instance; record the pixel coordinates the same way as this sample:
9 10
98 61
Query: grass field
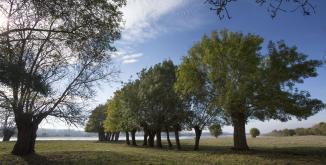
264 150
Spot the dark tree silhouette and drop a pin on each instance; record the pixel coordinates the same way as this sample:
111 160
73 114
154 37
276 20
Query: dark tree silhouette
52 54
273 6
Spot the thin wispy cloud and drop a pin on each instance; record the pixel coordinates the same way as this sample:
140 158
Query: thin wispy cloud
126 57
141 17
132 56
149 19
129 61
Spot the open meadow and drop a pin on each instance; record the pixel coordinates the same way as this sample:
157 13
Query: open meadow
264 150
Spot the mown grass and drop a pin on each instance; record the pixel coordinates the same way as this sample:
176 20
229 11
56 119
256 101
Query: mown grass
264 150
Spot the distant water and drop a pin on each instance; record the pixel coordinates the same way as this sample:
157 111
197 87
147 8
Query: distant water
122 137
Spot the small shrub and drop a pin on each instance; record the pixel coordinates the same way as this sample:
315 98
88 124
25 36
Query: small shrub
215 130
254 132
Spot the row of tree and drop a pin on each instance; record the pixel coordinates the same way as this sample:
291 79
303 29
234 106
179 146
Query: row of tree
224 79
149 103
318 129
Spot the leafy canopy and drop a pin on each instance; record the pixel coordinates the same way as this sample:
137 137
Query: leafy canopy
53 52
229 69
96 120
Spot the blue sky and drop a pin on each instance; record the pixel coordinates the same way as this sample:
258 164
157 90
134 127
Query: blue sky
156 30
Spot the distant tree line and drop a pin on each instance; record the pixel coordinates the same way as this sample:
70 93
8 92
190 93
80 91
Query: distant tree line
223 80
318 129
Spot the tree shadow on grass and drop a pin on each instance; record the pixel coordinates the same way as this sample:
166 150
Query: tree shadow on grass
303 155
37 159
110 156
304 151
111 142
286 154
300 151
93 157
273 153
71 157
9 159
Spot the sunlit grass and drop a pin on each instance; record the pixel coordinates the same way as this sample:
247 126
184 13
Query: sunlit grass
264 150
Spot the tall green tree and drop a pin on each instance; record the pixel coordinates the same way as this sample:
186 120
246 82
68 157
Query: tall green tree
62 48
113 121
150 92
95 121
169 100
131 115
197 93
247 85
160 105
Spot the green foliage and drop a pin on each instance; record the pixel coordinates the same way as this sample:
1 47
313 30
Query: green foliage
149 102
227 75
284 132
113 120
196 89
129 106
223 79
123 109
254 132
162 106
302 131
243 81
215 130
319 129
96 119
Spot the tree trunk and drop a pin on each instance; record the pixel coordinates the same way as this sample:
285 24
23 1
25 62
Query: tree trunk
151 135
101 135
145 137
168 138
239 134
198 132
177 140
158 139
6 138
112 136
116 137
108 136
133 137
7 133
26 137
127 138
